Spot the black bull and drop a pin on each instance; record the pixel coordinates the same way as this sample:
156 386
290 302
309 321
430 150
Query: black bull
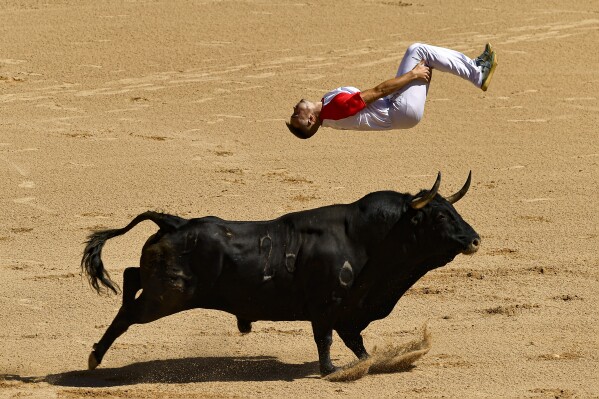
339 267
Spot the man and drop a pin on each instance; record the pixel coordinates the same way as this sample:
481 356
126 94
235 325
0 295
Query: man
397 103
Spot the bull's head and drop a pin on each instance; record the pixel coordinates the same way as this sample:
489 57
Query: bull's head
438 229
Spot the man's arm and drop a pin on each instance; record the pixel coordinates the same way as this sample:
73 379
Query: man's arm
420 72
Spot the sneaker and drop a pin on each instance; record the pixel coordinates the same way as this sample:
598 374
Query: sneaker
485 56
487 61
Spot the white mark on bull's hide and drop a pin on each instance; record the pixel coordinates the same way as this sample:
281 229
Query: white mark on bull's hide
346 275
290 262
265 247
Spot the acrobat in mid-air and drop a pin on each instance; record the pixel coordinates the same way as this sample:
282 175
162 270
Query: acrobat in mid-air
396 103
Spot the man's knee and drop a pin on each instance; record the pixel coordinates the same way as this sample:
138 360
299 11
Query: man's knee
416 48
411 118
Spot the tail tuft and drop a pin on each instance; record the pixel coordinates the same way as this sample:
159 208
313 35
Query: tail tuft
92 265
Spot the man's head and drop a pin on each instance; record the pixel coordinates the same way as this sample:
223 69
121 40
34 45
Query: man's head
304 121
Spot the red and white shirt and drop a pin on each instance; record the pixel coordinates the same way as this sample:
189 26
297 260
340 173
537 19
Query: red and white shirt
343 108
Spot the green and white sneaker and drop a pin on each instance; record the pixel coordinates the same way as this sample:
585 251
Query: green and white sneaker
488 62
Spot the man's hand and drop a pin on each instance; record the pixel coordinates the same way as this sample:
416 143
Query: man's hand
422 72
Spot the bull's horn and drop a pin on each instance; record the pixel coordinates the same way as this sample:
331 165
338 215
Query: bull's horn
452 199
420 202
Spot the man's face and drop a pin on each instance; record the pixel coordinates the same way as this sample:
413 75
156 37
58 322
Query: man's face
301 114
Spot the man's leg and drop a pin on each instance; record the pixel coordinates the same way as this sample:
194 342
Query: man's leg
441 59
407 105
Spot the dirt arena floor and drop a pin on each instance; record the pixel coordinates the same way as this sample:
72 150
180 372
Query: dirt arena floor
110 110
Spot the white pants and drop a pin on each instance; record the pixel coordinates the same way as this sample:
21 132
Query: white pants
407 104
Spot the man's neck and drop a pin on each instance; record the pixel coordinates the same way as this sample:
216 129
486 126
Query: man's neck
317 109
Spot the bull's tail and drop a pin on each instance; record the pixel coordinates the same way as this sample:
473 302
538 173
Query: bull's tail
91 263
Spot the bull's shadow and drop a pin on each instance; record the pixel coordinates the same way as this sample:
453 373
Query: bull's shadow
188 370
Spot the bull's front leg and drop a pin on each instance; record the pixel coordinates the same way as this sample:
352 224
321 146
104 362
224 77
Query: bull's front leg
323 335
353 340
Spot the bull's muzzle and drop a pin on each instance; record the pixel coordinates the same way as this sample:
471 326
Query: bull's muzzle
472 247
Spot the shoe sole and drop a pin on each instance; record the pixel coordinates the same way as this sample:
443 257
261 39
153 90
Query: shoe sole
487 81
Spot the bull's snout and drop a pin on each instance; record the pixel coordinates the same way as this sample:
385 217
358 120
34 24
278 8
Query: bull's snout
472 247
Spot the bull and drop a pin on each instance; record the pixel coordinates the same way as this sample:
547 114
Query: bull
339 267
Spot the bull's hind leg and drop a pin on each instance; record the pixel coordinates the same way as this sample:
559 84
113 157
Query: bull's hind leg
138 310
123 319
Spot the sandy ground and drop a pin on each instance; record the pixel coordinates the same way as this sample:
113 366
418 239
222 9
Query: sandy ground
108 111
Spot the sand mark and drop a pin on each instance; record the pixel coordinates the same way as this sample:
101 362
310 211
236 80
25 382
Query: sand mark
261 75
510 310
377 62
19 264
10 97
248 88
155 138
137 107
580 98
27 184
80 165
93 215
104 91
444 360
586 156
61 276
63 120
30 303
537 199
312 77
271 120
527 120
535 218
501 251
525 92
202 100
584 107
19 169
10 61
58 107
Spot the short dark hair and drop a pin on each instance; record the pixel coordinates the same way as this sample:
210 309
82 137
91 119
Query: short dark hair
297 132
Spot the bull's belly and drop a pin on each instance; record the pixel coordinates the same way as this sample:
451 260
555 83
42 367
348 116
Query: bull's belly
257 302
258 308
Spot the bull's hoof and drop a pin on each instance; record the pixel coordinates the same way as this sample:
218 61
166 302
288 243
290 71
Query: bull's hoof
92 361
329 370
244 326
351 372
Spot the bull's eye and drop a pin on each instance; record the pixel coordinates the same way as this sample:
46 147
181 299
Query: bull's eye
441 217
